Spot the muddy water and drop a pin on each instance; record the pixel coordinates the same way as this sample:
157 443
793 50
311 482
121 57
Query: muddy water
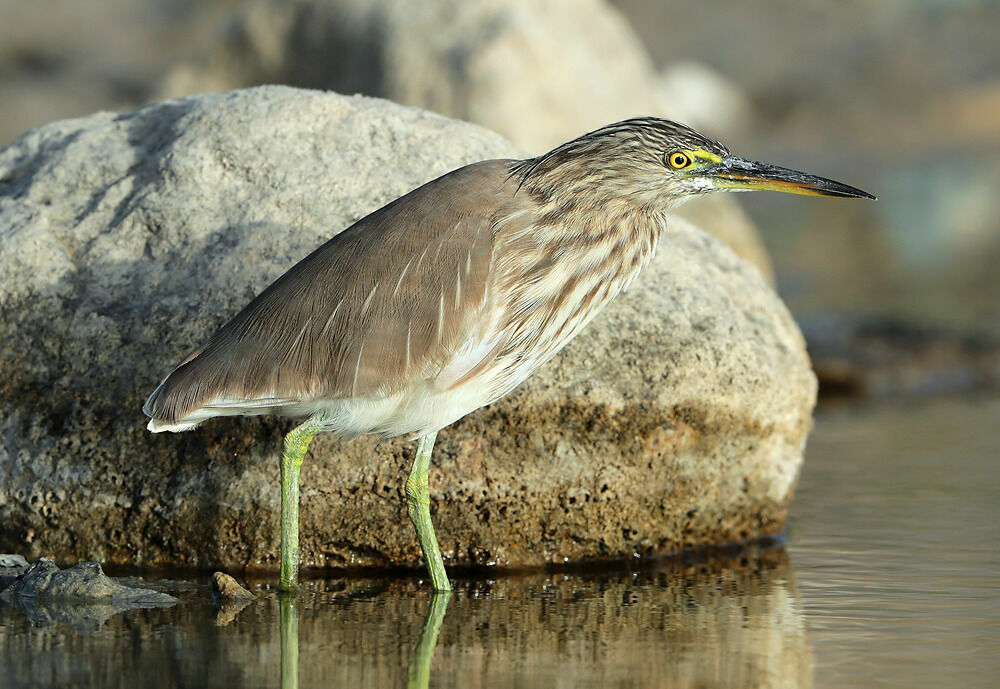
890 578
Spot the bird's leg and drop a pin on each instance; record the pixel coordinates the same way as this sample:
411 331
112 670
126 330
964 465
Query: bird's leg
296 444
418 503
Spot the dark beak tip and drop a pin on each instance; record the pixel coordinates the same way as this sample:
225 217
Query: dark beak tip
828 187
850 195
860 194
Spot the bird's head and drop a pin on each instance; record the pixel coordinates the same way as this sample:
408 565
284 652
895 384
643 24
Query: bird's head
659 163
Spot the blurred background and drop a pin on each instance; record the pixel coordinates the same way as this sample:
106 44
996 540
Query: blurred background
898 97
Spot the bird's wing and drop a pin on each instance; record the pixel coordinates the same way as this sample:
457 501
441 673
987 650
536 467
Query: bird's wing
393 299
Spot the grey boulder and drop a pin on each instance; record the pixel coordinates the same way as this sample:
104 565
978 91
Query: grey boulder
677 419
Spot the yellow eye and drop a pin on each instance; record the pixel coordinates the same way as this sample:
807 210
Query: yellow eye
678 160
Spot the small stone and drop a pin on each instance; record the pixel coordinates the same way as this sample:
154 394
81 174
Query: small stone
13 562
228 589
11 567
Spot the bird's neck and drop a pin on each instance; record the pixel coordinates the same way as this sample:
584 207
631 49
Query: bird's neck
607 219
578 229
550 244
557 267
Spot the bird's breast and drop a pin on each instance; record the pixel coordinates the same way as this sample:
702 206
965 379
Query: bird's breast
553 281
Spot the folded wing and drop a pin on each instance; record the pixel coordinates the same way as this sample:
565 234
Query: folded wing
383 304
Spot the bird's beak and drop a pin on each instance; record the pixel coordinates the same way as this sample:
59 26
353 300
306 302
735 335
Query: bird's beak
741 174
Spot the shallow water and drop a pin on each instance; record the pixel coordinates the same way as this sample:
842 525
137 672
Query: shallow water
889 578
895 540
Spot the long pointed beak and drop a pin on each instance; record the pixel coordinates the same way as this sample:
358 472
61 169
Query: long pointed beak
749 175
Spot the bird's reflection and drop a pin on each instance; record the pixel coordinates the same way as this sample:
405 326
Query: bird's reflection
419 671
734 622
289 641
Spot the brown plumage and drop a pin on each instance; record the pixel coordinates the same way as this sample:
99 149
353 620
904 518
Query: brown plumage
474 279
382 303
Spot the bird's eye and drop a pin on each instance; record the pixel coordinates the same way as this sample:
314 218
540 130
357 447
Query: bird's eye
678 160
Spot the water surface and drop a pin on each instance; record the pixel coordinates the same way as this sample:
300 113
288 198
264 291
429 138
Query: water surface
889 578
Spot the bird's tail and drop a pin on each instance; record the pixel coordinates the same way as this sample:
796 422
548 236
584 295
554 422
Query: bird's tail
165 408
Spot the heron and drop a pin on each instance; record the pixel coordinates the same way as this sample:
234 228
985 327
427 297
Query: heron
446 299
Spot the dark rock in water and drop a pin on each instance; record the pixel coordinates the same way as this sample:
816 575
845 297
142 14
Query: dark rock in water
81 596
886 356
228 589
82 583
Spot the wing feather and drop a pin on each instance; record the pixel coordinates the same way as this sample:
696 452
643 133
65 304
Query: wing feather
359 316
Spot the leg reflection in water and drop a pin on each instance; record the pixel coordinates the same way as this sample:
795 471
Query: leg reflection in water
289 642
419 673
420 664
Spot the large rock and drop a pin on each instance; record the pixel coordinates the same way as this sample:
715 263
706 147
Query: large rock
540 73
724 219
678 418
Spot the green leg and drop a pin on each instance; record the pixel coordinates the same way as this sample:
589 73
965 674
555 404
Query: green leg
419 674
296 444
418 502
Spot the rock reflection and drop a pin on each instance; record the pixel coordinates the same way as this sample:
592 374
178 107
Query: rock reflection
732 624
228 612
735 623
